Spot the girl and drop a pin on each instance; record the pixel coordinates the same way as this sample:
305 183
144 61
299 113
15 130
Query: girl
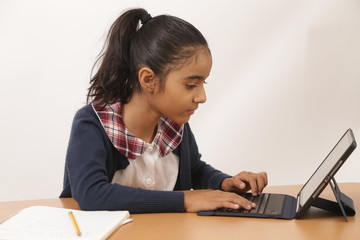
131 148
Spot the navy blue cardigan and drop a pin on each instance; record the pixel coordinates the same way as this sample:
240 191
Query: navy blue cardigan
92 161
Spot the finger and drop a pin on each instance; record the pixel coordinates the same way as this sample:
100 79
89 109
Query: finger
235 201
242 181
254 185
230 205
266 178
243 202
238 184
262 182
246 204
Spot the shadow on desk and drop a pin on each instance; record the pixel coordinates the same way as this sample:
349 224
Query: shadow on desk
316 213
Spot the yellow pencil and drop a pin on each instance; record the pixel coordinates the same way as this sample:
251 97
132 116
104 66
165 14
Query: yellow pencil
76 226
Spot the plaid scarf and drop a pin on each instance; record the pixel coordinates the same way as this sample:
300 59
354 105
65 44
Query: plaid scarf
167 138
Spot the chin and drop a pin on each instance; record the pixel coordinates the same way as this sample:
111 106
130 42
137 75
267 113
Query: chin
180 120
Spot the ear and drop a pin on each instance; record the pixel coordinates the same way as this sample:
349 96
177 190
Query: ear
148 80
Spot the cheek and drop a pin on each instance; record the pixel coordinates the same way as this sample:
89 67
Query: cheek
173 105
174 95
167 104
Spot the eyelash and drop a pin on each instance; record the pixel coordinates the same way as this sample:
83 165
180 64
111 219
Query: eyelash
192 86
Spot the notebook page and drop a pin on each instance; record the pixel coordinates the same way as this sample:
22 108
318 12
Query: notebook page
41 222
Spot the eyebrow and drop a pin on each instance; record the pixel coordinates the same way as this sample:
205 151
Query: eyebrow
195 77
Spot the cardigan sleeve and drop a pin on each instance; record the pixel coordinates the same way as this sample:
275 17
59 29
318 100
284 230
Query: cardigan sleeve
89 159
203 175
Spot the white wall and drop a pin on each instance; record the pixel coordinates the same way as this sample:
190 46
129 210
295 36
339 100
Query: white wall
284 85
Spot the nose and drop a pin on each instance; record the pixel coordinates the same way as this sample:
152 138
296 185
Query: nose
200 95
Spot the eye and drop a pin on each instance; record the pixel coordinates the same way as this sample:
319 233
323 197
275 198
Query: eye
190 86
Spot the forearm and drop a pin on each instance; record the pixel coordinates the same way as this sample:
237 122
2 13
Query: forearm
208 177
135 200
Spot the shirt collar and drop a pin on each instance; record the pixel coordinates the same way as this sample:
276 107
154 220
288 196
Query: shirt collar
167 138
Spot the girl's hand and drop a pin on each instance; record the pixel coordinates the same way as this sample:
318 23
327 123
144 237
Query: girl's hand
203 200
246 181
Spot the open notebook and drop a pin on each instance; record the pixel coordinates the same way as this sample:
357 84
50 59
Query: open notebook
41 222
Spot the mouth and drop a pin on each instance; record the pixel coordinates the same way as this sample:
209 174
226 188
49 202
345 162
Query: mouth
191 111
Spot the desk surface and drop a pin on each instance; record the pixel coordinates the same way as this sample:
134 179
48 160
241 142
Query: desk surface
317 224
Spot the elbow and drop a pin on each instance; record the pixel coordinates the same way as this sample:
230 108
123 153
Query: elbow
88 204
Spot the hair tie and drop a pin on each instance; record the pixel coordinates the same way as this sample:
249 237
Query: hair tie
146 19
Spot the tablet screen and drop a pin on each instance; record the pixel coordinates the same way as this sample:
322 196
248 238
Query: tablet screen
328 167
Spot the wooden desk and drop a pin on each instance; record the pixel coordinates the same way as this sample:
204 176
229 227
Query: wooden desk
317 224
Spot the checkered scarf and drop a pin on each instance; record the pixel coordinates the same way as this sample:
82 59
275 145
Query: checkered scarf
167 138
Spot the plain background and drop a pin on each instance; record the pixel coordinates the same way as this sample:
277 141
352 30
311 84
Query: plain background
284 85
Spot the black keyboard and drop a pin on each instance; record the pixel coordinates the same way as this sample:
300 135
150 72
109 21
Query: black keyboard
265 204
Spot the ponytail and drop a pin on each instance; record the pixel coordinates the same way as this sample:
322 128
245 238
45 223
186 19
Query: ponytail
160 43
110 83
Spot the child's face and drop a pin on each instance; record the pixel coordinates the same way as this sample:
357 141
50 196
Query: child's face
184 88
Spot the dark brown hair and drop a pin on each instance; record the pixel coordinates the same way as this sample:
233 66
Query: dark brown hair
162 43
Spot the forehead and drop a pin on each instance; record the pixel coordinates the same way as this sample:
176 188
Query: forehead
199 62
202 56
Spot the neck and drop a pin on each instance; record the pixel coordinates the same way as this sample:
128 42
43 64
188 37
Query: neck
140 118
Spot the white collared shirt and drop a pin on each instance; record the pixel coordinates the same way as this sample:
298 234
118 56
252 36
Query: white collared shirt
150 171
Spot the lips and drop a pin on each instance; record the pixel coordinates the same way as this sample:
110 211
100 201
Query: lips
191 111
